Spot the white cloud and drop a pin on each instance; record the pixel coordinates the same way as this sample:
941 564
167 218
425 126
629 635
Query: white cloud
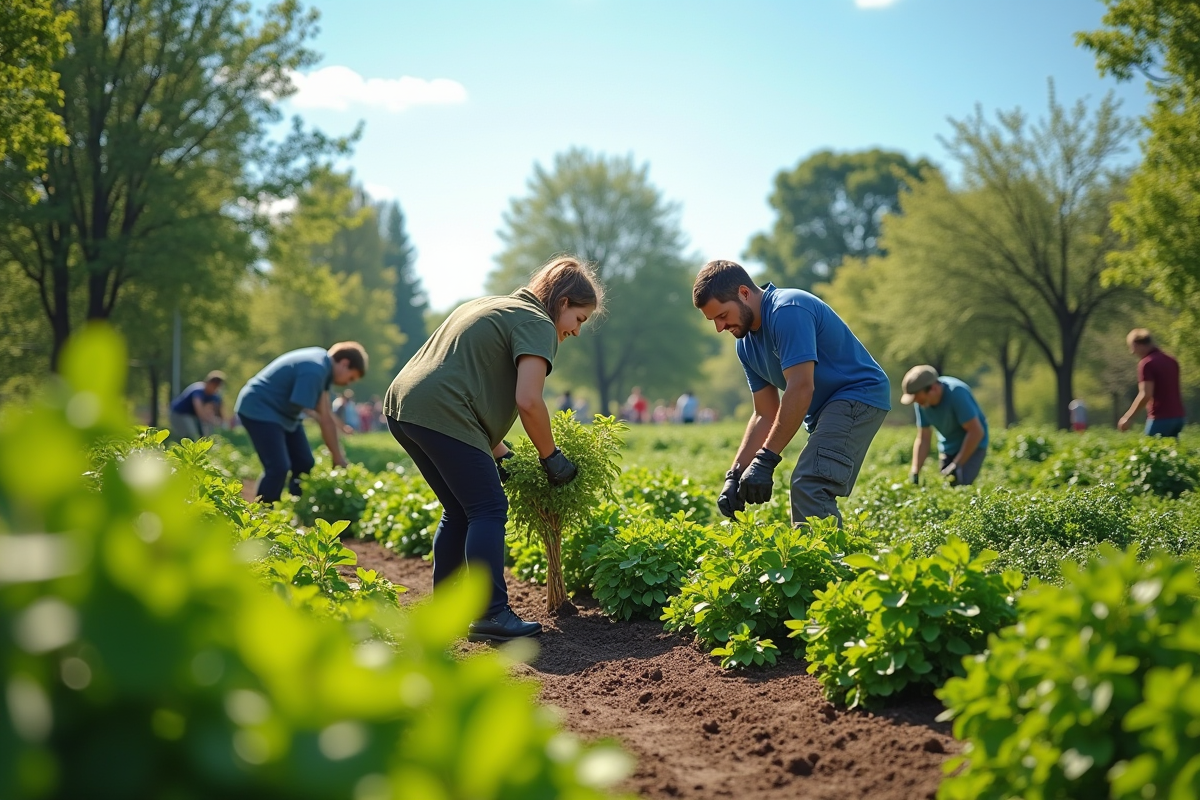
338 88
873 3
379 192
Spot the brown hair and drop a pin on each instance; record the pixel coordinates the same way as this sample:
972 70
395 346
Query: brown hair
720 280
1139 336
352 352
570 278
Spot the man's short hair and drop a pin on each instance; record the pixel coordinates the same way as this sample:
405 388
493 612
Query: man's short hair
720 280
352 352
1139 336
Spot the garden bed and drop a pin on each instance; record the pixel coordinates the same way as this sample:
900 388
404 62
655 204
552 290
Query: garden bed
699 731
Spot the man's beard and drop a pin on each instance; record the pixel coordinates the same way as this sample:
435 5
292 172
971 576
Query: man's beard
745 320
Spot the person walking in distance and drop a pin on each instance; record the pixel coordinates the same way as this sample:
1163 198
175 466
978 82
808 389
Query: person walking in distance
791 341
454 401
273 402
947 405
1158 388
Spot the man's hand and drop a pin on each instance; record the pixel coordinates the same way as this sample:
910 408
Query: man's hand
559 469
728 501
915 477
951 472
1125 424
757 482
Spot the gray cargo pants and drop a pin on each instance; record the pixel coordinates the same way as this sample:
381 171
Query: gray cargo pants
832 457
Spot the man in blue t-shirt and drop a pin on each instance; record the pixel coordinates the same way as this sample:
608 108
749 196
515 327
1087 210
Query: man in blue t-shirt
790 341
197 409
946 404
273 402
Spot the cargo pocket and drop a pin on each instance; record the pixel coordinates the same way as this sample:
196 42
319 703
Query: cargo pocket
834 466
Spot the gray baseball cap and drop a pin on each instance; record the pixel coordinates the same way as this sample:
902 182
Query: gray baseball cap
915 380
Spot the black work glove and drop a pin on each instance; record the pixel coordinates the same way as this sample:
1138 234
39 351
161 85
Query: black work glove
559 469
500 465
728 501
756 482
915 477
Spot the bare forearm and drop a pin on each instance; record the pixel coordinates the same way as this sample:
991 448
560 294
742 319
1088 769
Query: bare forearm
970 443
753 440
1138 402
329 435
535 419
792 408
920 453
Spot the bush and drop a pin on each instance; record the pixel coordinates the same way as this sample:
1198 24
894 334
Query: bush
644 564
903 620
141 659
527 555
759 575
402 514
666 493
1094 694
1030 447
903 512
1158 466
334 495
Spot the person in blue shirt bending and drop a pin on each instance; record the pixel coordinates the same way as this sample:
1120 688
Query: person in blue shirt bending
790 341
946 404
272 403
197 409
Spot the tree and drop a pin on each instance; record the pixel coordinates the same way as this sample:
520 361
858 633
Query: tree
1160 218
166 105
606 211
830 208
33 36
400 257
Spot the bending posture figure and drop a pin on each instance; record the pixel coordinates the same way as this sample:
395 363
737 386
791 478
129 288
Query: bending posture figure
196 411
454 401
272 404
791 341
1158 388
946 404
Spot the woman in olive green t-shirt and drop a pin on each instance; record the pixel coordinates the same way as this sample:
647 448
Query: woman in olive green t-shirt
452 403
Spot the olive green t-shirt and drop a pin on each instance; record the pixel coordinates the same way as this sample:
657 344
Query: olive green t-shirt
463 381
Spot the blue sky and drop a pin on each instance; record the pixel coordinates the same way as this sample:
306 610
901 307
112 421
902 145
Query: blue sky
461 98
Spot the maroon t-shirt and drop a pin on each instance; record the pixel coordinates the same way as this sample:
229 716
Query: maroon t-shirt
1163 371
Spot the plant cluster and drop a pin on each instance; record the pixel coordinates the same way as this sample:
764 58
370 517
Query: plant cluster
903 620
338 494
667 493
402 513
1094 694
638 569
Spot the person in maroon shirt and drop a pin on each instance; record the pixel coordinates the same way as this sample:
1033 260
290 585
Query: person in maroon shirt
1158 388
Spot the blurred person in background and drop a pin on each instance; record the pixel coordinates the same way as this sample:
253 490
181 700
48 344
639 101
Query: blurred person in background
637 407
686 408
196 411
947 405
1158 388
1077 408
791 341
661 413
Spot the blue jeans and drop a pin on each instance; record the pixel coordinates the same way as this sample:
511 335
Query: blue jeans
281 452
1164 427
474 507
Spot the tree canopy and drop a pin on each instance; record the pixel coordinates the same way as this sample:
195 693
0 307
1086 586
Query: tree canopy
411 303
33 37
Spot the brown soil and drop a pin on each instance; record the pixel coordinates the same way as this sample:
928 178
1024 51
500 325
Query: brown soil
699 731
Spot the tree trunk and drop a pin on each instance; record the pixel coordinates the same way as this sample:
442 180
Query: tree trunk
1008 368
153 395
602 378
1117 409
556 587
1064 374
60 311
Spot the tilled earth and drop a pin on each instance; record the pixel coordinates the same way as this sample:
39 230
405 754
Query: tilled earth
699 731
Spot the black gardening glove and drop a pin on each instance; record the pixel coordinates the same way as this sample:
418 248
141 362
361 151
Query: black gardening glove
500 465
756 483
915 477
559 469
728 501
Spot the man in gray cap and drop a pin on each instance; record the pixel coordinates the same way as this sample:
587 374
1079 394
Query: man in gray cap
946 404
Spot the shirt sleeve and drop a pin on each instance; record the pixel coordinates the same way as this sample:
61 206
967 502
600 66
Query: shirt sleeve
921 421
965 407
537 337
1145 370
307 388
794 331
757 382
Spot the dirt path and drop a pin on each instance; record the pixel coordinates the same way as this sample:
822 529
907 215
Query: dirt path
699 731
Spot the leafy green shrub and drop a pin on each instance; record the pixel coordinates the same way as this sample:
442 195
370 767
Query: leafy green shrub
402 514
1030 447
549 512
903 512
1158 466
1034 533
759 575
744 649
1093 694
141 659
644 564
334 494
903 620
667 493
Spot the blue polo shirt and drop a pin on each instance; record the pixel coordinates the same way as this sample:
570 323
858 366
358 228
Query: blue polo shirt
281 391
183 403
956 407
798 327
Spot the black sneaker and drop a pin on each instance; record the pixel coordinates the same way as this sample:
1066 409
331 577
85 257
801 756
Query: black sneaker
502 626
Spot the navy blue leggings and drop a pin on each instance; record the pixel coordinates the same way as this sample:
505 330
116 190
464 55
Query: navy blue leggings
280 452
474 508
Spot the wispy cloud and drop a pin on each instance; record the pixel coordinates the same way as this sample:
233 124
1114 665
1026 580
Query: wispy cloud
338 88
874 3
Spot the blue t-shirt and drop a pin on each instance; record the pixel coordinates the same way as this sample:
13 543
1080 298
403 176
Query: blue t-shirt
183 403
798 327
281 391
956 407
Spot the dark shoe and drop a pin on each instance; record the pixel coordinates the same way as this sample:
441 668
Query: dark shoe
502 626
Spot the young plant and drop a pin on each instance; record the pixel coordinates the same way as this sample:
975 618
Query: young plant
744 649
1093 694
535 507
903 620
644 564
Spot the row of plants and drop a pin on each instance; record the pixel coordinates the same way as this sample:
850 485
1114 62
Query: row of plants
142 656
